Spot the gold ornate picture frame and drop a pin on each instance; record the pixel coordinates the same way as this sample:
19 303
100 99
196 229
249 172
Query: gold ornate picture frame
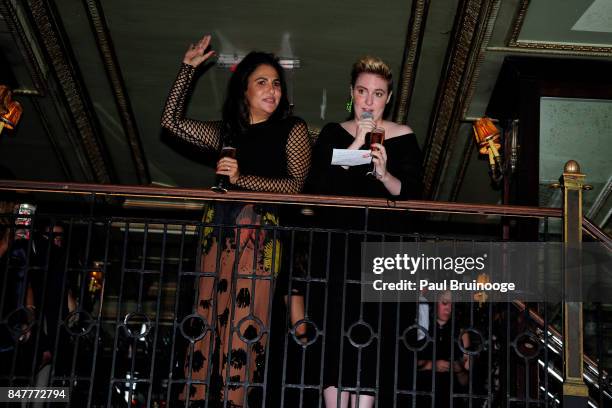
557 47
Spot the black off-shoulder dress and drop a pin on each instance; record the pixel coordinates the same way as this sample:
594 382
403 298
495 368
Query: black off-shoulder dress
349 363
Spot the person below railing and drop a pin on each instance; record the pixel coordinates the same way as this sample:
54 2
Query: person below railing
443 367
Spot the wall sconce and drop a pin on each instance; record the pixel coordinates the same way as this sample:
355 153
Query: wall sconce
10 111
481 297
96 278
488 138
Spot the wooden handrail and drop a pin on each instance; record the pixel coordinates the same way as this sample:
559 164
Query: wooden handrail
539 320
595 232
301 199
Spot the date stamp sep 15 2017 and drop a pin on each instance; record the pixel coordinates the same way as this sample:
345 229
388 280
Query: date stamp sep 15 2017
34 394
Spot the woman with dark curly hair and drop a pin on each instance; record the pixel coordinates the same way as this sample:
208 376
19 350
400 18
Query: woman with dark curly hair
239 264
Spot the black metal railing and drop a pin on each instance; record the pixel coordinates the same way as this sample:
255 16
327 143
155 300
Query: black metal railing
147 304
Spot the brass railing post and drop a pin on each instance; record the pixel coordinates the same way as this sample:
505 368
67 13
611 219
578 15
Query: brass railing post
575 391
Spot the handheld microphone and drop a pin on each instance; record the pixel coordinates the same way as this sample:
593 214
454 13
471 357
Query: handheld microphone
367 115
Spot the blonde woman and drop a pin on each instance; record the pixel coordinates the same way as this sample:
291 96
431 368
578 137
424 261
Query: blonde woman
397 170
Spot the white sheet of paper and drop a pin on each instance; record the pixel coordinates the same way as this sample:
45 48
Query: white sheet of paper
350 157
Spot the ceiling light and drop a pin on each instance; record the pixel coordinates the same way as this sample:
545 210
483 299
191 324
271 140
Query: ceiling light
231 60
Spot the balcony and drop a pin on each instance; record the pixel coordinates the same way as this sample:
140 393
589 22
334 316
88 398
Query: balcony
115 314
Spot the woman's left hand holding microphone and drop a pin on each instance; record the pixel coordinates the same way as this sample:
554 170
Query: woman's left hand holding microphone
228 167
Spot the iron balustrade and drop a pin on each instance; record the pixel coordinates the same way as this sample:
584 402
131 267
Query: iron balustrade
117 314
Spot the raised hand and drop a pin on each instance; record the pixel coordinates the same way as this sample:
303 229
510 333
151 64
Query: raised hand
196 53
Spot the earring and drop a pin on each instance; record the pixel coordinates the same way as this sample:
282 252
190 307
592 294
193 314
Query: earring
349 105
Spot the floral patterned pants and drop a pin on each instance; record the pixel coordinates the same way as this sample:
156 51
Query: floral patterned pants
234 298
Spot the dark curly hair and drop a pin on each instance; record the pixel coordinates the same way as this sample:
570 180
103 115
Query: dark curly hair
235 114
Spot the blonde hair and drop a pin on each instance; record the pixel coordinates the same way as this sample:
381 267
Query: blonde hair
372 65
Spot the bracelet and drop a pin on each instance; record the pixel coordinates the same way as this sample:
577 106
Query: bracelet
381 177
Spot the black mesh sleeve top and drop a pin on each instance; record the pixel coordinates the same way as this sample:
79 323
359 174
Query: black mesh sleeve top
273 155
